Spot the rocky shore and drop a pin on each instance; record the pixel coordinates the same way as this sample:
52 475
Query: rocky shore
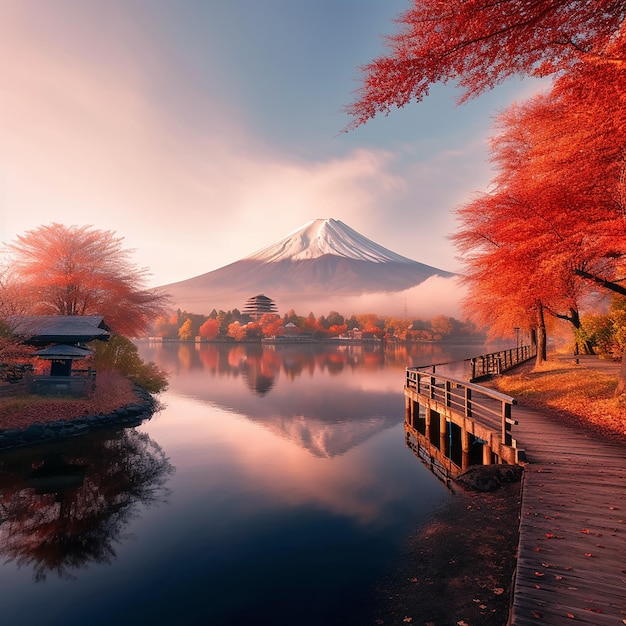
130 414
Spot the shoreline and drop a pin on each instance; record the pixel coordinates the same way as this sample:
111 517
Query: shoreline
446 577
128 415
449 577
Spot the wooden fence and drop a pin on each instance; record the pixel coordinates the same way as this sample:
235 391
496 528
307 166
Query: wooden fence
478 413
486 365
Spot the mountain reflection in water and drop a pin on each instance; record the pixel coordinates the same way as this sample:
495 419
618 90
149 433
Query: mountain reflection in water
348 401
285 484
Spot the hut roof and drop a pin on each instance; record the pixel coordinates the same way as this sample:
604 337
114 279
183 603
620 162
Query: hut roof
63 351
44 329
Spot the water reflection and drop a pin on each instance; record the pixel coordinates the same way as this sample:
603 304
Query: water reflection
293 483
263 363
66 505
330 397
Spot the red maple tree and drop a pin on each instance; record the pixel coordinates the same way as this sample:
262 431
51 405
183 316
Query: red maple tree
80 270
480 43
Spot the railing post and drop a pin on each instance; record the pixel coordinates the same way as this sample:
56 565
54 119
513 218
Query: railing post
468 402
448 386
507 439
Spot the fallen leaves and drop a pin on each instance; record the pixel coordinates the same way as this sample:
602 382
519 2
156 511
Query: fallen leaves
112 392
582 393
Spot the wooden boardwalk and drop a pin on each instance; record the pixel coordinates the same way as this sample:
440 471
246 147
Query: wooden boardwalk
572 551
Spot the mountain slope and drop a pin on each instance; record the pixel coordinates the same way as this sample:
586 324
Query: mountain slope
323 259
322 237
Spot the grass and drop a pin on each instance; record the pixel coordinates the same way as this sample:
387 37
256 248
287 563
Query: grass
571 392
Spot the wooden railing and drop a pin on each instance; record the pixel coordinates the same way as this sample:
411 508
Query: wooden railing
490 364
498 362
459 401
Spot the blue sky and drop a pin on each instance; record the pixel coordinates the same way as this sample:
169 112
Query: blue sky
201 131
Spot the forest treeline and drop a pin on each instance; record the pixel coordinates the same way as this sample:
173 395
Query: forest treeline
233 325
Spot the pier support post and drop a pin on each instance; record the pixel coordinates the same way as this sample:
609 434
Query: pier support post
443 435
465 449
486 454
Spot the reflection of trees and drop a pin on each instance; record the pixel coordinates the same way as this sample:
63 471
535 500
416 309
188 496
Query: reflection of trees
67 505
259 364
260 368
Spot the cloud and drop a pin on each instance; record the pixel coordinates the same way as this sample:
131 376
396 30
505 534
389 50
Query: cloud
106 121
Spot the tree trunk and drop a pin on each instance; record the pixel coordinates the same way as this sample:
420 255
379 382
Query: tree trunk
542 350
581 340
621 381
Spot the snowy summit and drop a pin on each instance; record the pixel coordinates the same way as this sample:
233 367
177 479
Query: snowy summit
321 237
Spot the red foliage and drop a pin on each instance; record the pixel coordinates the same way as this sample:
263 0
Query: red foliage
112 392
82 271
209 329
479 43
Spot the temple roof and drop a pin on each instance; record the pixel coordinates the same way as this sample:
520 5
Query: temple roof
63 351
66 329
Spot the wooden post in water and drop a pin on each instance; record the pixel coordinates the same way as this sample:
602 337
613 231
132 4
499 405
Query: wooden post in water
465 449
443 433
409 410
486 454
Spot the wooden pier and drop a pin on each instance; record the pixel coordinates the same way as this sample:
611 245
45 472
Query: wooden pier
572 553
457 415
571 565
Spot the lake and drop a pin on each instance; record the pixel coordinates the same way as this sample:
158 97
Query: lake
273 487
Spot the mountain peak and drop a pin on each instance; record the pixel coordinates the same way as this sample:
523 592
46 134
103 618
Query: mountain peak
322 237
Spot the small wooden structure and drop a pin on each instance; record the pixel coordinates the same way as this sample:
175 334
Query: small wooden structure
62 340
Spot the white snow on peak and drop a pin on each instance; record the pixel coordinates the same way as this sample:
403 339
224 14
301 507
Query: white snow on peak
326 236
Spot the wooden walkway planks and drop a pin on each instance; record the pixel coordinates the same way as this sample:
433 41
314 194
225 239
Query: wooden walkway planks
572 551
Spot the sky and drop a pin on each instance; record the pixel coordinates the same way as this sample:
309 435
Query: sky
201 131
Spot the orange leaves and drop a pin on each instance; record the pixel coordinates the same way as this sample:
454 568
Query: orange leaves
209 329
81 271
112 391
479 44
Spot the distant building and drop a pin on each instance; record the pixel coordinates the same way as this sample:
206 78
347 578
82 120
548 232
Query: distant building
258 306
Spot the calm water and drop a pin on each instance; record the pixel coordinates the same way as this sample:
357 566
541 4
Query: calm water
274 487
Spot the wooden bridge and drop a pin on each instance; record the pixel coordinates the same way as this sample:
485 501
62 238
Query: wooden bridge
572 550
452 423
571 566
458 418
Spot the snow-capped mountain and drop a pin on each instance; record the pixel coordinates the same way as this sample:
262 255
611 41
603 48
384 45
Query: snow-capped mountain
326 236
324 265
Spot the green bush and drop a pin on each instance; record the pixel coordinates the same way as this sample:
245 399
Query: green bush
122 355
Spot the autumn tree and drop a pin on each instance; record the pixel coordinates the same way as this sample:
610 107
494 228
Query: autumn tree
80 270
210 329
236 331
165 325
271 325
480 43
185 332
